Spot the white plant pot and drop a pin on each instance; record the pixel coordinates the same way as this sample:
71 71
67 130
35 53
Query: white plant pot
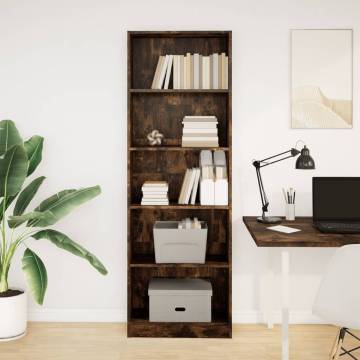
13 317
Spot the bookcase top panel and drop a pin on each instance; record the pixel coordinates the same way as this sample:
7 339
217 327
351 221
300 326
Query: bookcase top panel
221 33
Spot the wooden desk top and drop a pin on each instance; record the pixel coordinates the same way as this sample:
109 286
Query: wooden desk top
307 237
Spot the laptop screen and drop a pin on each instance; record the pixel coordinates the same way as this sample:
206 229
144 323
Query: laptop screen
336 198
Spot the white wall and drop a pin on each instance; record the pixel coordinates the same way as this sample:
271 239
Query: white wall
63 75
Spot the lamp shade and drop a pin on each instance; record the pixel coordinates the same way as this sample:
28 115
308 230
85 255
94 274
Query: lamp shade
305 161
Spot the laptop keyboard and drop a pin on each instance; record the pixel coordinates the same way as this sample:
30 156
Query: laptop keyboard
340 228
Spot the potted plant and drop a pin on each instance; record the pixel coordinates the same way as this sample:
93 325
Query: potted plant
18 160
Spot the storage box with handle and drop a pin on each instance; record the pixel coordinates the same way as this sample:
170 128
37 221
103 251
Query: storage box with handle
173 245
179 300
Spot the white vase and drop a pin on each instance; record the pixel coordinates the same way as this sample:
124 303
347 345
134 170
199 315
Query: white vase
13 317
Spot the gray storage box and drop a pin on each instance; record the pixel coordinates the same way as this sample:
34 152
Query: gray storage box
180 300
173 245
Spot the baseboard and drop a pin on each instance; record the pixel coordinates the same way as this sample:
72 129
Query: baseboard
77 315
295 317
116 315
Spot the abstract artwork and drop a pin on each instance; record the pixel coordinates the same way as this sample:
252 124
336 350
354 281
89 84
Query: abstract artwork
321 79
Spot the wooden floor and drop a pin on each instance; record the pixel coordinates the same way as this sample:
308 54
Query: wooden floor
60 341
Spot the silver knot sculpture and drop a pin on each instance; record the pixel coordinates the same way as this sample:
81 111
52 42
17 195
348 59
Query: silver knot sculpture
155 138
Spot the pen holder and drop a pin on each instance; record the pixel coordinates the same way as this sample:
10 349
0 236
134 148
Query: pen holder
290 212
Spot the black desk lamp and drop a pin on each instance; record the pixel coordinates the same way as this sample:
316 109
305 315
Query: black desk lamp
303 162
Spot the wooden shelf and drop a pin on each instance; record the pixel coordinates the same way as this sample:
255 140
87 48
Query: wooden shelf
179 207
175 91
163 110
174 148
211 261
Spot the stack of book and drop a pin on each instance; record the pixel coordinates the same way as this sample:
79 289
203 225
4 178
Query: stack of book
200 131
192 71
189 186
155 193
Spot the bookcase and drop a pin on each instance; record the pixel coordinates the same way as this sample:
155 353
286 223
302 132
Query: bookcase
164 110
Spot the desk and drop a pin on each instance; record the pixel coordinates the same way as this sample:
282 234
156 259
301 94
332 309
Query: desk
307 237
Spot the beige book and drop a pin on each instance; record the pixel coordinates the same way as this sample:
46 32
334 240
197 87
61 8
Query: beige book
226 81
175 72
191 71
183 186
188 71
182 70
185 72
156 75
222 71
205 72
162 73
190 186
200 71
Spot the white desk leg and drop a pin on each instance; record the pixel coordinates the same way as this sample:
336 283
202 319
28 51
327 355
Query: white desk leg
285 267
269 291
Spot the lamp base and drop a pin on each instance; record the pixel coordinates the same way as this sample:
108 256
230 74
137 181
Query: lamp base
269 220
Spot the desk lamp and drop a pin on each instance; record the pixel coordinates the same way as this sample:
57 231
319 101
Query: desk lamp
303 162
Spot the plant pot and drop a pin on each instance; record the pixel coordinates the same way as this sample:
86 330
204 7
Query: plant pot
13 316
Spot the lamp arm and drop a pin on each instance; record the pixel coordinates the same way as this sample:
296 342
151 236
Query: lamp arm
264 199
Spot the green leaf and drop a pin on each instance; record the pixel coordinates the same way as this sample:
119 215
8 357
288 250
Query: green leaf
13 170
9 136
58 206
64 242
27 195
9 201
33 148
36 276
15 221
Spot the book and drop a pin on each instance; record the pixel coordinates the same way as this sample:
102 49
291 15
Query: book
200 131
185 179
205 72
195 137
189 186
200 71
195 187
162 72
222 71
199 118
181 71
184 74
191 71
200 144
155 183
196 72
215 71
188 71
226 81
156 75
176 72
168 72
202 125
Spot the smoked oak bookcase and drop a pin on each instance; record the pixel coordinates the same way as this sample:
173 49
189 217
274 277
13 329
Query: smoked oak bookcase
164 110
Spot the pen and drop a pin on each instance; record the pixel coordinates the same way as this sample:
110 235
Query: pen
294 197
283 190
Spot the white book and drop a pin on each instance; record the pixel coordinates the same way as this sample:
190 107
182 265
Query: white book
181 69
215 71
205 72
222 64
199 117
182 191
196 65
199 131
190 186
187 119
195 187
203 125
176 72
168 72
156 183
200 138
156 75
185 73
155 191
188 71
162 72
207 192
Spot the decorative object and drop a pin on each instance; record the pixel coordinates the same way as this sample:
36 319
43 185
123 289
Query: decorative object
321 79
155 137
304 162
19 160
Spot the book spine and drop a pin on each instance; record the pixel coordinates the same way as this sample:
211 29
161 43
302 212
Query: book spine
156 75
196 71
188 71
175 72
215 71
226 72
184 73
163 72
206 72
168 72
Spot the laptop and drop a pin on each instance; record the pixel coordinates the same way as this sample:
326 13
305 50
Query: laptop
336 204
